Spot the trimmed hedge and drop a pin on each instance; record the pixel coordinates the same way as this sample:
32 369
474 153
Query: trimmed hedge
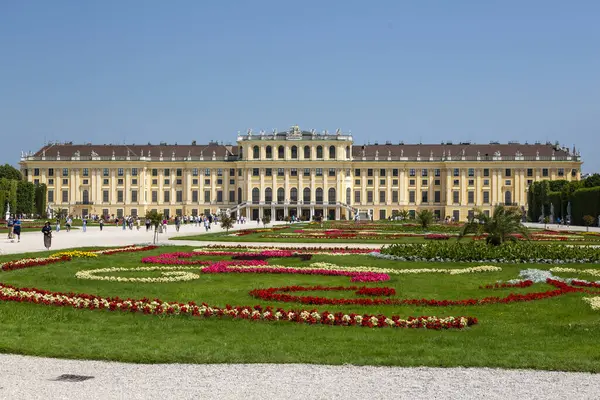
477 251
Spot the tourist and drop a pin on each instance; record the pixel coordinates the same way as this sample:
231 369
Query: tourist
137 223
206 224
124 224
177 223
47 231
164 223
57 224
101 223
147 224
9 225
17 229
68 224
84 224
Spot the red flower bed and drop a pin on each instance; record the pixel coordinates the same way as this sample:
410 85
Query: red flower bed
585 284
272 294
522 284
32 262
376 291
437 236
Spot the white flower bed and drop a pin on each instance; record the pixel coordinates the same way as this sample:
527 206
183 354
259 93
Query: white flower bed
171 274
594 272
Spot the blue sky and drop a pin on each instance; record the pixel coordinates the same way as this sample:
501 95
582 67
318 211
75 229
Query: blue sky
430 71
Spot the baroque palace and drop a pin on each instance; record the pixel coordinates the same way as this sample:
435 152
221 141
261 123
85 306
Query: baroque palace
294 173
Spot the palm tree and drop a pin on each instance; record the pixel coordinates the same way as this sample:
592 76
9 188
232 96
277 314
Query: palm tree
425 218
499 227
404 214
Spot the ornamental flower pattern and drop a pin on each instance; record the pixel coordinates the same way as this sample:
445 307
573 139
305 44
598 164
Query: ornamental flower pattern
253 313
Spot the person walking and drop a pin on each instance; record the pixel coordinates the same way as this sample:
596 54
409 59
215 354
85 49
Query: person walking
47 231
17 228
68 224
124 224
177 223
137 223
9 224
57 224
101 224
84 224
147 224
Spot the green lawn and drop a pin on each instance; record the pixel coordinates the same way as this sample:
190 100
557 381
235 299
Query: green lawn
558 333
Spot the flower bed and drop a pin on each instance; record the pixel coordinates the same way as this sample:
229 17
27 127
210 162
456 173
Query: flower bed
499 285
473 251
594 302
273 294
376 291
255 313
331 251
67 256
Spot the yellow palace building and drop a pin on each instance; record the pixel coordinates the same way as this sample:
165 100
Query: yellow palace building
294 173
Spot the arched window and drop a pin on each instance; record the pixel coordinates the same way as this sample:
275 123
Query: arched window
85 197
348 196
508 198
241 153
268 195
319 196
306 153
294 194
280 152
319 151
306 195
256 152
280 195
331 195
255 195
347 152
294 152
332 152
269 152
239 195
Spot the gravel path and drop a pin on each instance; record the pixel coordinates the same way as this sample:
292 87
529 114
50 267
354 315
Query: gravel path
35 378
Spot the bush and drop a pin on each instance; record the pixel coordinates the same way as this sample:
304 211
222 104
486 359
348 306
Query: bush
516 252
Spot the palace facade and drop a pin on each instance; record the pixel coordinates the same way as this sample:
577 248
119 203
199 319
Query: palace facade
295 172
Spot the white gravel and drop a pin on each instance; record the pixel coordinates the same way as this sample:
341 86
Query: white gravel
24 377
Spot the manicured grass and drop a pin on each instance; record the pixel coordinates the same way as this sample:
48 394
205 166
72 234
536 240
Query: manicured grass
558 333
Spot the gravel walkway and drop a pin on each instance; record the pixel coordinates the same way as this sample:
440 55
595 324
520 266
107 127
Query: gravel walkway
36 378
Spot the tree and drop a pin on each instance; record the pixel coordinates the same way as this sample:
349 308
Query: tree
226 222
40 199
404 214
25 197
266 219
425 218
588 221
9 172
592 181
155 220
499 228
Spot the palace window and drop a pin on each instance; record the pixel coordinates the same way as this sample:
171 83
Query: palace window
357 172
280 152
437 195
280 172
167 172
194 196
382 172
269 152
119 196
50 196
424 172
319 171
529 172
411 196
194 171
412 172
105 196
471 171
179 172
154 172
86 172
456 172
65 172
207 172
294 172
134 171
437 172
357 181
332 152
319 152
256 152
268 172
395 172
561 172
294 152
65 196
50 171
306 172
166 196
471 182
486 172
382 182
424 197
382 196
470 197
331 171
369 196
357 196
545 172
395 196
486 197
456 197
255 172
306 152
507 172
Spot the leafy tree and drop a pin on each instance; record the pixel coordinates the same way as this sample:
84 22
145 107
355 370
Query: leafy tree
499 227
592 181
155 220
9 172
425 218
40 200
588 221
25 197
266 219
226 222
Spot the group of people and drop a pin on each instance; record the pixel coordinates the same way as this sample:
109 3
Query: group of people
14 228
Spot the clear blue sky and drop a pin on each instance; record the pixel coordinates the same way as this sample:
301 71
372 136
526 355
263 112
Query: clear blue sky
137 71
